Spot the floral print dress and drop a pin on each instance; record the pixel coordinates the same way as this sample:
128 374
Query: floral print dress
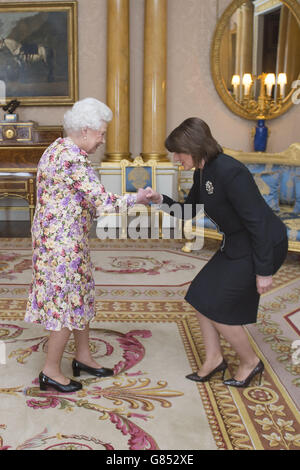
61 294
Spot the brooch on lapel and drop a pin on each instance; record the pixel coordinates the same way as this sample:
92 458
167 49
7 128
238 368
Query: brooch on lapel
209 187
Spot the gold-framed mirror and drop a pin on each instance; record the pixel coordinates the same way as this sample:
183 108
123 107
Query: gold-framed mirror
255 57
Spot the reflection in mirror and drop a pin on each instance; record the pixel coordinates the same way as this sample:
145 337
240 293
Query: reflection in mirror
260 53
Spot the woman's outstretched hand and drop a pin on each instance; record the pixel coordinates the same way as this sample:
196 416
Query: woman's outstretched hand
145 196
142 197
153 196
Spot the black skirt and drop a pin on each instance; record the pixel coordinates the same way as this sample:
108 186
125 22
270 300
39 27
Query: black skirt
225 289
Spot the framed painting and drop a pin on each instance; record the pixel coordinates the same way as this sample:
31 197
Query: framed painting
137 174
39 52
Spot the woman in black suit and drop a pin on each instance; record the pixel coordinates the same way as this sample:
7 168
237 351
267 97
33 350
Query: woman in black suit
226 291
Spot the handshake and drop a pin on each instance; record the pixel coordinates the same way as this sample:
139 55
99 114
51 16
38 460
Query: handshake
147 195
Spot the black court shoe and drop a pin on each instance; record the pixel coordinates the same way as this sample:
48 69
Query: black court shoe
46 382
245 383
78 367
197 378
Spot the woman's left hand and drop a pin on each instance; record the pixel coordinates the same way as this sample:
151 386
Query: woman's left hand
263 283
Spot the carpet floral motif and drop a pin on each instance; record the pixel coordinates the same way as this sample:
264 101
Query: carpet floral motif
136 403
273 334
12 264
132 395
145 265
279 431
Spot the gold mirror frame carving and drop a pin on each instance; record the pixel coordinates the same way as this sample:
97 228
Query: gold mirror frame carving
221 88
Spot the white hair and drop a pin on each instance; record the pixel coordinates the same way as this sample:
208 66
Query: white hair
87 113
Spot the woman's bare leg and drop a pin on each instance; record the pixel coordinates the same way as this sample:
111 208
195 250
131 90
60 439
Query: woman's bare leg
83 353
56 346
211 339
238 339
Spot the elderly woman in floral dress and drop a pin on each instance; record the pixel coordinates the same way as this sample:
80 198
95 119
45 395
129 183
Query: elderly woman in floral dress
61 296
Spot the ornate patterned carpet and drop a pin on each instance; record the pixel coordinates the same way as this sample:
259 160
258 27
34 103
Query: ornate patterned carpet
150 336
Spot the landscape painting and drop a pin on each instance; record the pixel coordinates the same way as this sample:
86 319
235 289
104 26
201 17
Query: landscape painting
38 52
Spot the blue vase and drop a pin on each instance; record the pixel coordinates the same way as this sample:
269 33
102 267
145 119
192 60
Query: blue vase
261 136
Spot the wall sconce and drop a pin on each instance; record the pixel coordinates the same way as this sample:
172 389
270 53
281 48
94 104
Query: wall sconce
247 82
235 82
262 106
270 82
282 81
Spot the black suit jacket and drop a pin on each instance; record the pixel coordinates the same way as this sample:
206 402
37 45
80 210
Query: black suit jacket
232 200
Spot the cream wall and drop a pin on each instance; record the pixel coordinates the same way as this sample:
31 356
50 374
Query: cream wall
190 90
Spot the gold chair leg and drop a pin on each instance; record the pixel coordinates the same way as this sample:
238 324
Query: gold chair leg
124 225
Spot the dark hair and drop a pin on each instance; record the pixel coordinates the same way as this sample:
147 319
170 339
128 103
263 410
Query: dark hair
193 137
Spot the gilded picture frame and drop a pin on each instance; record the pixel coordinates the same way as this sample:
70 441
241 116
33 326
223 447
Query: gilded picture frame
137 174
39 52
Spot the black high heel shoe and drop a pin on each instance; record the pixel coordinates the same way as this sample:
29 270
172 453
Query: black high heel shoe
102 372
220 368
245 383
46 382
